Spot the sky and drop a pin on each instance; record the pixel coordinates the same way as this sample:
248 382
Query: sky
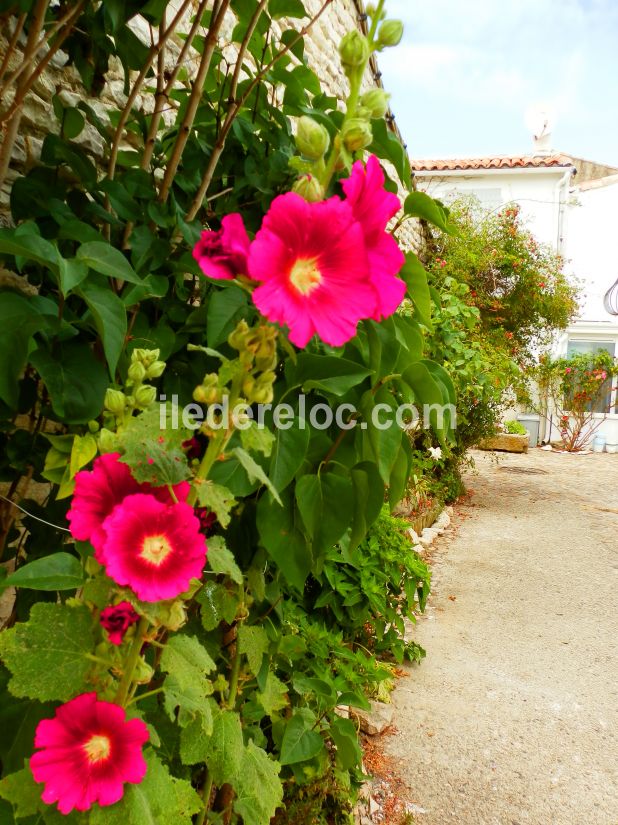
467 72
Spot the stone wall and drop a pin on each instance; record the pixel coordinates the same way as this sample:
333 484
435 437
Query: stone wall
37 118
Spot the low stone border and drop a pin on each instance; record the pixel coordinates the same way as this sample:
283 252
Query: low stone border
506 442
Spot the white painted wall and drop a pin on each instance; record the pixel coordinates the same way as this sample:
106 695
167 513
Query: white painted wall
591 244
537 192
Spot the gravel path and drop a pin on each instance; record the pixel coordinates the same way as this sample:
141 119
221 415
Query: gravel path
513 716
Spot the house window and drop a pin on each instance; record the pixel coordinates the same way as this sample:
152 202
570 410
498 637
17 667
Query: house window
604 402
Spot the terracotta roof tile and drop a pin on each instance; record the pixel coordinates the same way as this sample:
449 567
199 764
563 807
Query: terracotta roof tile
498 162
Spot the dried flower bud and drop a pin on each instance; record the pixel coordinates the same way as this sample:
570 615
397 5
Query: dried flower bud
236 338
248 386
376 101
353 50
115 401
390 33
356 134
312 139
309 188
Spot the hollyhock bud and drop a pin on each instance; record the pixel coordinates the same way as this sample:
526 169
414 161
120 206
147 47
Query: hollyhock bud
145 396
117 619
263 394
356 134
107 441
237 337
137 372
309 188
353 50
248 386
376 101
312 138
115 401
156 369
390 33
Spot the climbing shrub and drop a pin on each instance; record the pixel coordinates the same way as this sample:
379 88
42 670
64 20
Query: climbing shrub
165 626
574 394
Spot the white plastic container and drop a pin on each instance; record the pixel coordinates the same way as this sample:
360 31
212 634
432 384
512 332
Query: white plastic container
598 444
611 448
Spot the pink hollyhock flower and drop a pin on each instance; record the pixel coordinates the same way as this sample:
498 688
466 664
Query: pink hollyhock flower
373 207
312 262
87 752
223 254
153 547
117 619
99 490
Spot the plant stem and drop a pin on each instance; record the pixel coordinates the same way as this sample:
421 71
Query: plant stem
213 451
234 674
145 695
206 793
131 662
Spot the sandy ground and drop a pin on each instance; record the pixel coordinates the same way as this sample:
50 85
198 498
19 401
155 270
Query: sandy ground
513 716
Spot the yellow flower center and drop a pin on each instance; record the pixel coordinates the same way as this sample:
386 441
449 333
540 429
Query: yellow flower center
98 748
155 549
305 275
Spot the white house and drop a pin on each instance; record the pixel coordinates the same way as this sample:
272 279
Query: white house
567 202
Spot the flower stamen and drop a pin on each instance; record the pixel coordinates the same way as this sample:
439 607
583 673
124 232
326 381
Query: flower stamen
305 275
155 549
98 748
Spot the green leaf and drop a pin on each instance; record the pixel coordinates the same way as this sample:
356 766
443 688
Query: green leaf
285 542
153 453
30 246
274 697
300 742
218 499
388 146
316 496
110 318
286 8
259 791
71 273
72 123
103 258
415 276
22 792
187 687
83 450
60 571
19 719
289 453
421 205
225 747
217 603
75 380
194 737
47 654
345 737
19 320
254 471
252 643
257 439
225 308
426 391
326 372
368 499
159 798
221 560
384 440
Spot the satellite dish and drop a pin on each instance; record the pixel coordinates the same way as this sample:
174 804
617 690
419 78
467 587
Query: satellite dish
539 119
